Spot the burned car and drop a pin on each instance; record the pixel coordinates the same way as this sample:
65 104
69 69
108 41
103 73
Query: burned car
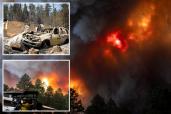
46 38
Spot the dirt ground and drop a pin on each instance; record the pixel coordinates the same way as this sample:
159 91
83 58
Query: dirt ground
16 27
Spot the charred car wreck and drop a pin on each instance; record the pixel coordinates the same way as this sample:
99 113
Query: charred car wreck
45 38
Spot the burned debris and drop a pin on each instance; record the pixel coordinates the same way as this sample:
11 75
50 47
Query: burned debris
34 42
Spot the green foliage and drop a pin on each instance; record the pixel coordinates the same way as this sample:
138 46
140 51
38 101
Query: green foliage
47 97
6 11
39 86
98 106
25 83
6 88
25 13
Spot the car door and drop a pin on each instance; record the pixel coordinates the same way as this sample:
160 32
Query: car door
55 40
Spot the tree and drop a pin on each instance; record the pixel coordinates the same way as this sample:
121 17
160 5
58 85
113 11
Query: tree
17 11
11 89
25 83
47 10
11 14
25 14
6 87
76 104
47 13
6 11
48 96
32 11
49 90
39 13
59 100
65 17
158 101
111 107
98 106
39 86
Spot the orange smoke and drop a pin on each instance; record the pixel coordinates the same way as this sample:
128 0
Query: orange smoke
140 20
78 84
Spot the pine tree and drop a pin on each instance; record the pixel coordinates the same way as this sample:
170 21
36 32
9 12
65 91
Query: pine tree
25 83
39 86
6 87
98 106
25 14
6 11
76 104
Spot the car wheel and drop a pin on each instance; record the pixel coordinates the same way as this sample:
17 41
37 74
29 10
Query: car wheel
66 41
45 44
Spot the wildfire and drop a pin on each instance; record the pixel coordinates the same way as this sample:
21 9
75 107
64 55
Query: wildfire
117 41
54 80
45 82
78 84
140 20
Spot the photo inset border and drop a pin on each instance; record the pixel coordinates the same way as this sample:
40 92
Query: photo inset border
52 47
17 95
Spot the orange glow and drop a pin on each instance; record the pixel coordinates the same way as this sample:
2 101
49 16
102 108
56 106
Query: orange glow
52 79
140 20
78 84
45 83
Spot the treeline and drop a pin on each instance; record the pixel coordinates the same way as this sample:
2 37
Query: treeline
46 14
156 101
49 97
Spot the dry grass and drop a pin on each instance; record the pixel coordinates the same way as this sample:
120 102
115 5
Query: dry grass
16 27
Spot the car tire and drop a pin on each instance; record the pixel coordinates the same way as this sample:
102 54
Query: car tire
45 44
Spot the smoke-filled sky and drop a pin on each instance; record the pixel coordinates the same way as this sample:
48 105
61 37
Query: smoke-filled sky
55 72
120 49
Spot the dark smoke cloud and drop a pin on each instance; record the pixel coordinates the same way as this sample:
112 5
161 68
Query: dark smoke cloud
145 66
98 16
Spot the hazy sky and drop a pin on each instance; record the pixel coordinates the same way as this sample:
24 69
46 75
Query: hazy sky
32 67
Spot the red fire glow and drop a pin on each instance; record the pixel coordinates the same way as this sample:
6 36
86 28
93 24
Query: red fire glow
117 41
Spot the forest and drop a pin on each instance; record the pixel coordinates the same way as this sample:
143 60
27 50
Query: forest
98 105
49 96
33 14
